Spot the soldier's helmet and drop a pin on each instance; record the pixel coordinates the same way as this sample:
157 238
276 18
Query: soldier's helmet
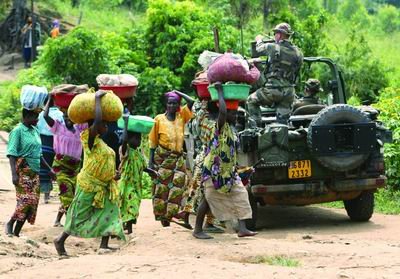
313 85
283 28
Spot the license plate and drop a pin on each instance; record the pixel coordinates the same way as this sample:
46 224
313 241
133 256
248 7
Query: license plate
299 169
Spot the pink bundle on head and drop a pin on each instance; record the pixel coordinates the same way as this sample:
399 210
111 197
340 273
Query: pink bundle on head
173 95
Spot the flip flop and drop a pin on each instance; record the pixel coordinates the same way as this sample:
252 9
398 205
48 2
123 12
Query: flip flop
213 229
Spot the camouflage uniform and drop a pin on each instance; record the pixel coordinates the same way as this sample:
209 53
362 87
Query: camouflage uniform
312 87
283 65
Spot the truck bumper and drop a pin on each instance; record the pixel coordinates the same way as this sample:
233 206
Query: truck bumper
344 185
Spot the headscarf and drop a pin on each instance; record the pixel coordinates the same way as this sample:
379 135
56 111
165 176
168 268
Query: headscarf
173 95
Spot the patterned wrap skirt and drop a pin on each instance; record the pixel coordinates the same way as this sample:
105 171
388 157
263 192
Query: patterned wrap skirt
170 188
27 192
66 169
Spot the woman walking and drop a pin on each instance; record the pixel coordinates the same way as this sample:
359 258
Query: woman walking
224 190
67 161
167 157
94 211
24 153
47 138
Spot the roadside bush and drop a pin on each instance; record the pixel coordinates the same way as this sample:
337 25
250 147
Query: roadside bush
10 108
154 82
389 106
354 12
76 58
388 19
364 74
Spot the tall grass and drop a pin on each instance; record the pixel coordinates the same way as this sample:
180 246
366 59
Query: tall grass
95 18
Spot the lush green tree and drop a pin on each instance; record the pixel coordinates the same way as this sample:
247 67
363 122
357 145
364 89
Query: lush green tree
364 74
78 57
153 83
388 18
177 32
354 11
389 106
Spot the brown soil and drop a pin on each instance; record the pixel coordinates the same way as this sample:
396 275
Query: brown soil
324 242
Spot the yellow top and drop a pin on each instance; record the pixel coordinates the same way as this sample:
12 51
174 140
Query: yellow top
98 171
170 134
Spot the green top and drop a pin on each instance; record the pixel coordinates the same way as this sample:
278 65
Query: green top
25 142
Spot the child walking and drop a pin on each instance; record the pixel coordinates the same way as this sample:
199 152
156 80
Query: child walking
131 169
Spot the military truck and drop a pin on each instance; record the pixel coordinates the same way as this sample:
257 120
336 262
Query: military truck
329 151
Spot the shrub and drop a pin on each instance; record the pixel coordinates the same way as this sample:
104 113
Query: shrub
76 58
389 106
388 19
154 82
364 74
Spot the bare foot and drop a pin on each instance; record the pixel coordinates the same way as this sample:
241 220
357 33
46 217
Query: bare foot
60 248
245 233
103 251
108 248
202 235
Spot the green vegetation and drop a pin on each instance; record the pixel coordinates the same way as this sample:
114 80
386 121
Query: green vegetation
387 201
279 260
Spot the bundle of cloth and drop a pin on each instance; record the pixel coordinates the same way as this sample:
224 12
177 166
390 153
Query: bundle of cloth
82 108
70 88
117 80
33 97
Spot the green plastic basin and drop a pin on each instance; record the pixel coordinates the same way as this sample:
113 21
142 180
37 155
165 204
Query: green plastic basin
231 92
137 123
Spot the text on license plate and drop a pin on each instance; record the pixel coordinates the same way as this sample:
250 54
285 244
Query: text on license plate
299 169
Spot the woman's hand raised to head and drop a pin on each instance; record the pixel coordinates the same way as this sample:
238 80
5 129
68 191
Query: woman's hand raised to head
100 93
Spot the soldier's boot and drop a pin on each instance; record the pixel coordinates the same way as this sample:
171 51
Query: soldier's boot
254 111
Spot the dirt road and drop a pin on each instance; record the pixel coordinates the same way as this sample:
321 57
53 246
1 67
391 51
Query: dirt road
323 241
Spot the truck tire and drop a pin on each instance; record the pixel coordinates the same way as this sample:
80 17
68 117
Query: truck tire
252 223
338 114
361 208
308 109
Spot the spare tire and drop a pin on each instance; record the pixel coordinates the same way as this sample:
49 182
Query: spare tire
308 109
338 114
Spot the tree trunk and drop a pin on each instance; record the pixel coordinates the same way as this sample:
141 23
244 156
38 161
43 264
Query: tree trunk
266 11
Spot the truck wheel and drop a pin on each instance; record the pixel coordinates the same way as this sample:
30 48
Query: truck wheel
338 114
361 208
251 223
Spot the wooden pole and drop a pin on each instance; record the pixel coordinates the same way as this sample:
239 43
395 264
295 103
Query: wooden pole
241 25
33 52
216 39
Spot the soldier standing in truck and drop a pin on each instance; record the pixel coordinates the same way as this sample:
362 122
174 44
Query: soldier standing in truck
283 66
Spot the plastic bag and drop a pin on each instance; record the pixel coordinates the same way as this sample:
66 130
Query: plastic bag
33 97
230 67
